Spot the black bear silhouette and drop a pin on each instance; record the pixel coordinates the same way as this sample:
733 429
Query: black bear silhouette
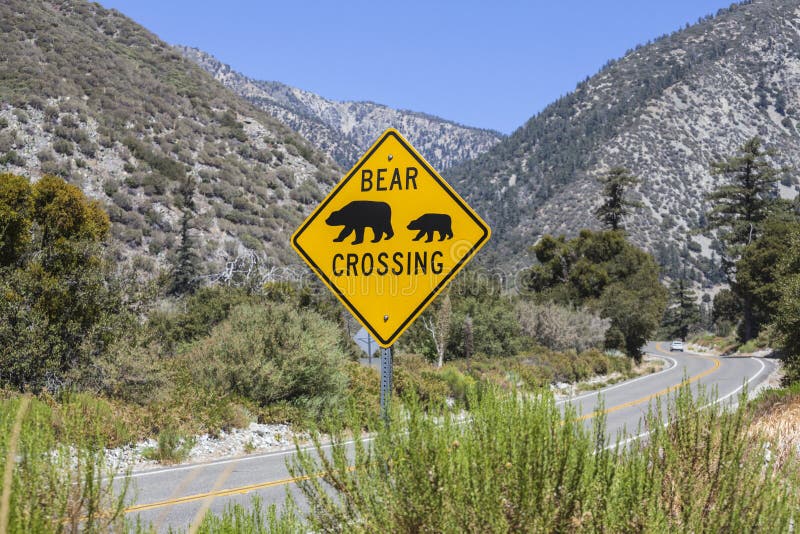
360 214
432 222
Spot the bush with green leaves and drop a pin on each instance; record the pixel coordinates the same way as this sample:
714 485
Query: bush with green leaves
416 378
482 322
171 447
253 519
56 308
194 316
271 353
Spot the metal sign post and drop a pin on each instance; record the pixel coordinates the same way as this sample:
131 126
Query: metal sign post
386 382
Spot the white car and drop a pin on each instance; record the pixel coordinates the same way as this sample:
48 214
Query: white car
676 345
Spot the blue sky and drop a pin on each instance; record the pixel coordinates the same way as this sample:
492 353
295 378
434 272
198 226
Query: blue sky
480 63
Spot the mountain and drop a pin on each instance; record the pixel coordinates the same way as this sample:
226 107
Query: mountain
87 94
666 110
345 130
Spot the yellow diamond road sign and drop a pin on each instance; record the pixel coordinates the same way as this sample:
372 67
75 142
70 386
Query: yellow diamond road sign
389 237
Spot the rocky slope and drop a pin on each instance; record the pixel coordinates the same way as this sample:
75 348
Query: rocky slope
87 94
345 130
666 110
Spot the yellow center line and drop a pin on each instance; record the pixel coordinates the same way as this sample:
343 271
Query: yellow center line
262 485
219 493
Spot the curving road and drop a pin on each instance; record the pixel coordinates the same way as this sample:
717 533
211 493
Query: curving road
176 496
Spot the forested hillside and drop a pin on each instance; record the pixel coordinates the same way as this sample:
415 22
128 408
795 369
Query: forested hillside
88 95
666 111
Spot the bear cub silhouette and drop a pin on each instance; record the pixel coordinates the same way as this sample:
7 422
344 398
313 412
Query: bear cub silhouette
432 222
361 214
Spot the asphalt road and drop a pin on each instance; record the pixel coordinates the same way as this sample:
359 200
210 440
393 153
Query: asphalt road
176 496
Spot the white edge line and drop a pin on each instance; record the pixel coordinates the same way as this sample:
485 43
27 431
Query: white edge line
737 390
232 460
734 392
625 382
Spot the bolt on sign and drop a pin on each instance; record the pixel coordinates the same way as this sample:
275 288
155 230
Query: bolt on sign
389 237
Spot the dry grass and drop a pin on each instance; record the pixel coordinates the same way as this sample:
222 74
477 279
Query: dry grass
780 424
714 343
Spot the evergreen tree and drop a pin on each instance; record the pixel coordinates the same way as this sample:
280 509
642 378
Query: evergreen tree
787 320
185 270
758 273
683 312
616 206
742 205
745 200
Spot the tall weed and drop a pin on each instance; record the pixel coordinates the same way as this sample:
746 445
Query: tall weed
253 519
60 480
516 464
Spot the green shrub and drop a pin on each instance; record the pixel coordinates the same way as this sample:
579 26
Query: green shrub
306 193
603 364
196 315
131 370
63 146
12 158
253 519
272 353
460 384
172 448
415 378
525 371
21 116
363 388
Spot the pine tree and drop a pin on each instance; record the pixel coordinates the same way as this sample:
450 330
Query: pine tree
616 207
758 273
787 320
741 207
683 312
745 200
185 270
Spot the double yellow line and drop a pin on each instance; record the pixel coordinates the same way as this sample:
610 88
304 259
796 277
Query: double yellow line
262 485
214 494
